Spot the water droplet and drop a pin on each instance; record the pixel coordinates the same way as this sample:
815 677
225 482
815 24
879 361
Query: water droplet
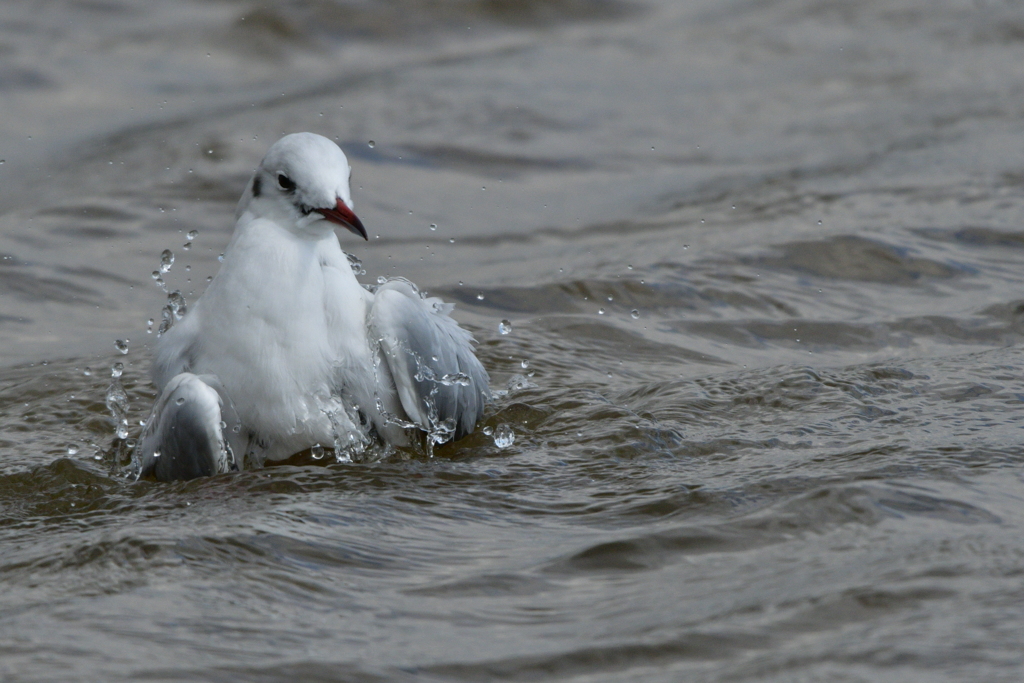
433 226
117 369
480 296
87 372
192 234
504 436
317 452
122 345
634 314
381 279
372 144
221 258
600 311
166 260
156 454
484 187
488 430
72 449
180 400
186 246
524 364
456 378
504 327
156 274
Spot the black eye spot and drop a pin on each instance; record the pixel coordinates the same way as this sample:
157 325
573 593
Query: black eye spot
286 183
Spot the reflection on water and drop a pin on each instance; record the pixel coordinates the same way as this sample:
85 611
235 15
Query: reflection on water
747 278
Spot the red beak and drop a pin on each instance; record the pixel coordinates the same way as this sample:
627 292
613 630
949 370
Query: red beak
342 215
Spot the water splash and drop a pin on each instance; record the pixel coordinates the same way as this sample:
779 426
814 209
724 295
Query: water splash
455 379
504 437
356 264
350 442
117 402
172 312
166 260
518 383
515 384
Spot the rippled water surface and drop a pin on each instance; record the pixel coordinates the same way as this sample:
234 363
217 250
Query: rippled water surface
763 264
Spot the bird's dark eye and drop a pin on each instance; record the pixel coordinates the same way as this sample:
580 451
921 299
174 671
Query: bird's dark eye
285 182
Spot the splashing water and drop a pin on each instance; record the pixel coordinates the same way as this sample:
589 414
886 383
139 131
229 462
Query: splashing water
172 312
455 379
356 264
166 260
504 436
349 440
117 403
519 383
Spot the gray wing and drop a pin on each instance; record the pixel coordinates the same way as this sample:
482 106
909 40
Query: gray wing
441 385
191 432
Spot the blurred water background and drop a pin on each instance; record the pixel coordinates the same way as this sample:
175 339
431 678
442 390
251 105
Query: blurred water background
763 265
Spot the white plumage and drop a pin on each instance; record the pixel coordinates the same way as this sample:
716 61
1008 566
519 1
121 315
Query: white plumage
297 351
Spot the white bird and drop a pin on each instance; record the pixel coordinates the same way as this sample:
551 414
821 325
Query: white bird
285 350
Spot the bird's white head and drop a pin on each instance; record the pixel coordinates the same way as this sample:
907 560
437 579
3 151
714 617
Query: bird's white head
302 181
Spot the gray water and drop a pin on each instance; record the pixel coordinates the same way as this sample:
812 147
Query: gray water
764 267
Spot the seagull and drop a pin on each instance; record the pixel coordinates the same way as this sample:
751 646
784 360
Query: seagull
286 351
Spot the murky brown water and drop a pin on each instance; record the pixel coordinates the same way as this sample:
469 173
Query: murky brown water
764 265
